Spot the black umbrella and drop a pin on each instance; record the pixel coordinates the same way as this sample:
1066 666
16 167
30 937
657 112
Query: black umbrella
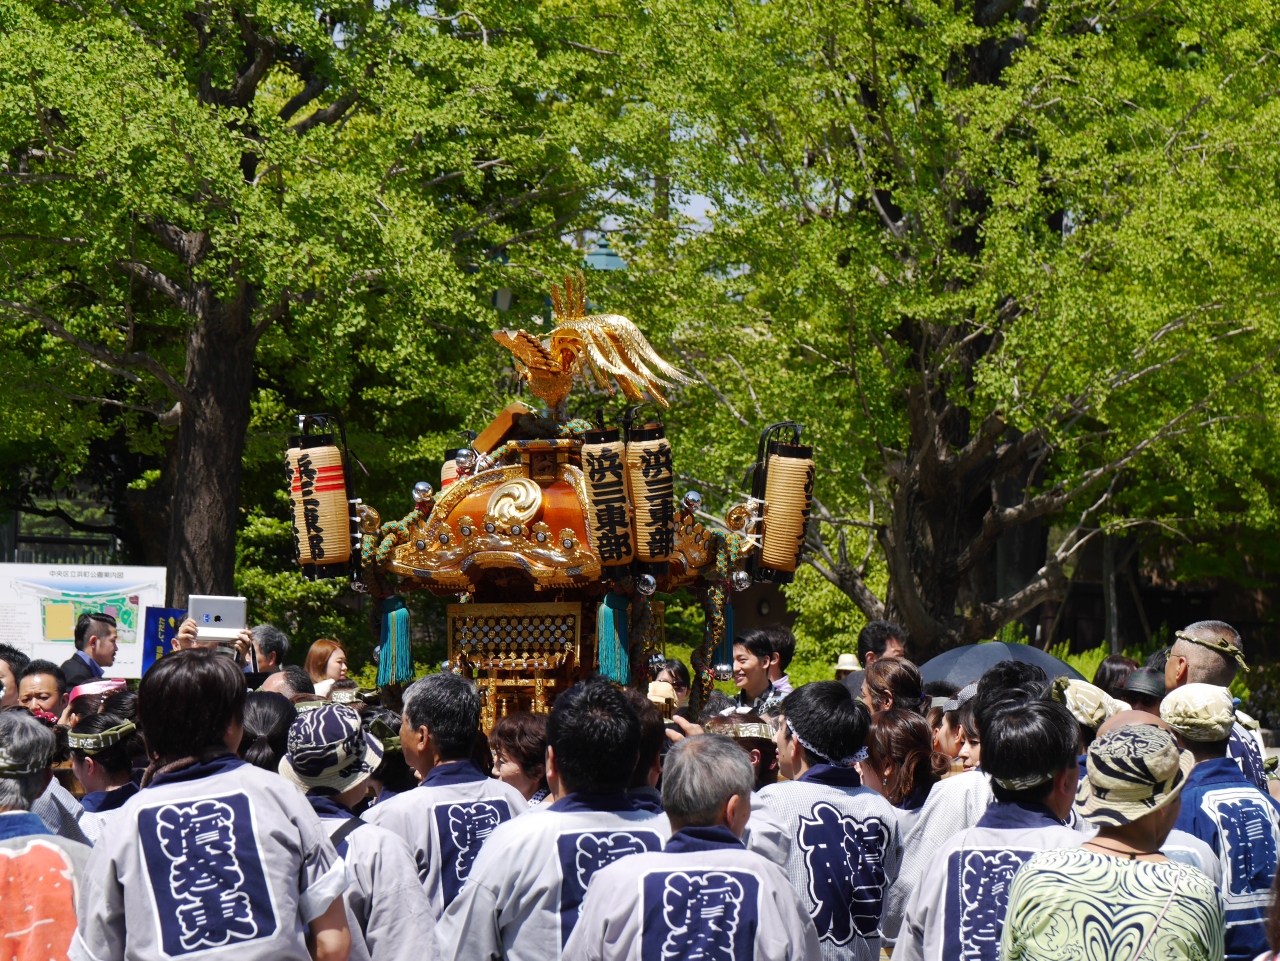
961 665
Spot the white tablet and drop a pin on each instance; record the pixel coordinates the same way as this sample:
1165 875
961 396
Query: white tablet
217 618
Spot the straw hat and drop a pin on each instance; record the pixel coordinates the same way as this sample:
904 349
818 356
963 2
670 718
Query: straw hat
1088 704
1132 772
1200 712
846 662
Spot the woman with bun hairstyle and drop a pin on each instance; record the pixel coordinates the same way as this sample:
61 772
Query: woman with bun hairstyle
267 717
901 763
894 683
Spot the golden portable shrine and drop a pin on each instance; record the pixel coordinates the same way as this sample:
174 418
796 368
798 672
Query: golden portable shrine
554 533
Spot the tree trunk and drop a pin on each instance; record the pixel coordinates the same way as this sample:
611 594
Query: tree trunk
211 438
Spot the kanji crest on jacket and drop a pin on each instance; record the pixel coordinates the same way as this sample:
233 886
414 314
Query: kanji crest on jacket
554 533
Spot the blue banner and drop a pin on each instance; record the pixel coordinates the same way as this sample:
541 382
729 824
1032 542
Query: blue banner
160 626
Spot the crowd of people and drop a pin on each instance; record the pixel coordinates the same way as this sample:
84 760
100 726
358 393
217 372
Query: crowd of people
1019 816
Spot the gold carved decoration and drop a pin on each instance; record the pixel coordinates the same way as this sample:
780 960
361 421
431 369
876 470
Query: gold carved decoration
443 552
488 641
515 502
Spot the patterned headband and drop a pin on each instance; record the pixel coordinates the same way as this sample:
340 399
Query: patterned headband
1219 644
756 729
1023 783
840 762
93 743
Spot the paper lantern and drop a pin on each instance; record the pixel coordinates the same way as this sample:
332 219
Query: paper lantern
652 482
788 497
449 469
604 468
318 505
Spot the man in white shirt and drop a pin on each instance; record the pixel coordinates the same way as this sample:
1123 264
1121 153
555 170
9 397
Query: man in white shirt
447 818
705 895
523 894
957 909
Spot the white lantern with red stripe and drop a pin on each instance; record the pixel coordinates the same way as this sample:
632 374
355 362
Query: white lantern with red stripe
318 504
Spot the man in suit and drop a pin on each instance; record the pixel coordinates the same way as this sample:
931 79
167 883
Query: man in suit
95 649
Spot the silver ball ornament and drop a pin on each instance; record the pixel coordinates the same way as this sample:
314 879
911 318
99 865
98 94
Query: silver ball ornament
423 491
646 584
740 580
692 501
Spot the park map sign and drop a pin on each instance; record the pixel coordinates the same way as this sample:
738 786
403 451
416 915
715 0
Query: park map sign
40 603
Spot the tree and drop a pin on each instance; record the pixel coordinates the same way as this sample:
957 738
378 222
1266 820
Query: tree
205 201
1014 265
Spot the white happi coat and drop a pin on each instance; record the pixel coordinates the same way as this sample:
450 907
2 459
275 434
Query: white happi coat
764 835
958 906
705 896
387 909
218 855
954 803
1191 851
446 820
522 899
845 853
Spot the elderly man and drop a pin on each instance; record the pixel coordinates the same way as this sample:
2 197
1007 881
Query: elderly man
1222 808
447 819
1210 652
705 895
37 915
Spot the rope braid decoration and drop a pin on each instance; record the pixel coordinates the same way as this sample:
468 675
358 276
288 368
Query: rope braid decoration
713 596
375 548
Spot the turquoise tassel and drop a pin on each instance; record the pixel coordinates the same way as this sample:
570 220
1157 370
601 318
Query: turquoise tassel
724 650
395 666
611 638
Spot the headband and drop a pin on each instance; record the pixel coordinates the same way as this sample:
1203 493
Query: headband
11 767
93 743
1023 783
95 687
756 729
1219 644
834 762
965 693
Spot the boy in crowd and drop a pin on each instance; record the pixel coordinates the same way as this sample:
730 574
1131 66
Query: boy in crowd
522 899
453 812
102 751
845 847
643 789
1222 808
331 758
956 803
212 852
957 909
95 640
753 659
1210 652
38 911
705 895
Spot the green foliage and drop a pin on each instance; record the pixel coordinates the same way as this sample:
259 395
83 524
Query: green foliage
827 625
911 236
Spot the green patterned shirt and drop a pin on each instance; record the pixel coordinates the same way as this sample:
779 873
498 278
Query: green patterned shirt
1076 905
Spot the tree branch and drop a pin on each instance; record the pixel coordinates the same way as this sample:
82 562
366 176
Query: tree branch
102 354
